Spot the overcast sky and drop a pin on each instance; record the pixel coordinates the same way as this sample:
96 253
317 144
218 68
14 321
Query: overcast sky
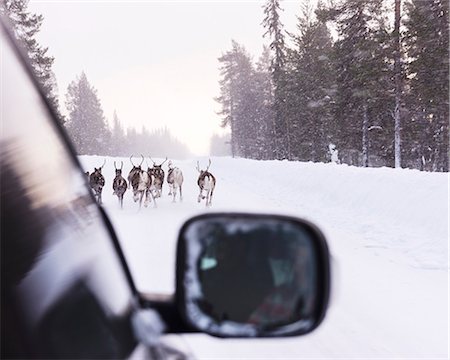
154 62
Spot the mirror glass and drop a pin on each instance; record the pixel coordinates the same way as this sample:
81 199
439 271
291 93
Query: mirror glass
252 274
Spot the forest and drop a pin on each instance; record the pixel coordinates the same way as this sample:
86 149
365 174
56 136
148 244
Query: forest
360 82
367 79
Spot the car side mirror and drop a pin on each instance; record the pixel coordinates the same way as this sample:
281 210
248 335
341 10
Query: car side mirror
246 275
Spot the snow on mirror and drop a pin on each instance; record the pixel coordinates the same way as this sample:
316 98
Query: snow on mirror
252 275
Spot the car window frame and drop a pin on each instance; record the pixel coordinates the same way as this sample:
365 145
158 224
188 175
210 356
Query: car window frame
21 56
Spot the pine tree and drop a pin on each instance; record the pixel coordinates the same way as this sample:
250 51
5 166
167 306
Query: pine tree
25 27
313 89
238 97
263 107
274 29
226 98
398 84
427 46
86 124
364 80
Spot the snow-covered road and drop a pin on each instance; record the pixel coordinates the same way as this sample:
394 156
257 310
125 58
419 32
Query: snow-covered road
387 230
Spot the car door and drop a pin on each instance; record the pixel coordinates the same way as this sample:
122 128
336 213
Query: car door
66 291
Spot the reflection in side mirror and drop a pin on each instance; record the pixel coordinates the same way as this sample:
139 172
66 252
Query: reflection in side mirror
242 275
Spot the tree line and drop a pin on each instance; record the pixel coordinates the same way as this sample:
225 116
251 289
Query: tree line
85 121
91 134
368 78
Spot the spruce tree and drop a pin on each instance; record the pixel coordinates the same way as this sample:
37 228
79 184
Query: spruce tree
427 46
398 84
274 29
226 98
238 97
364 81
313 89
25 27
263 107
86 124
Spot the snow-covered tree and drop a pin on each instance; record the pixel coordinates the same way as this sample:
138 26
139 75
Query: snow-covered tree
86 124
427 47
398 84
364 80
275 31
312 89
25 26
264 99
238 98
358 92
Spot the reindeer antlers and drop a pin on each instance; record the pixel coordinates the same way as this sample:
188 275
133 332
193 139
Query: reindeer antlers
153 161
198 166
141 161
121 165
104 162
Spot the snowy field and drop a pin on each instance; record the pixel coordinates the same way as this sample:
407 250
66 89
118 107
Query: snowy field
387 230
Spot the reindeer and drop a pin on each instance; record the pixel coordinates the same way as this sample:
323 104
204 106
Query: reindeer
119 184
140 181
175 181
97 181
206 182
158 178
134 170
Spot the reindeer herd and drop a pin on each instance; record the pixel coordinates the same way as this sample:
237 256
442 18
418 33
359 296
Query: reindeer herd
146 185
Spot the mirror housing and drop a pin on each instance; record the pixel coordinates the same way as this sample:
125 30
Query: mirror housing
251 275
